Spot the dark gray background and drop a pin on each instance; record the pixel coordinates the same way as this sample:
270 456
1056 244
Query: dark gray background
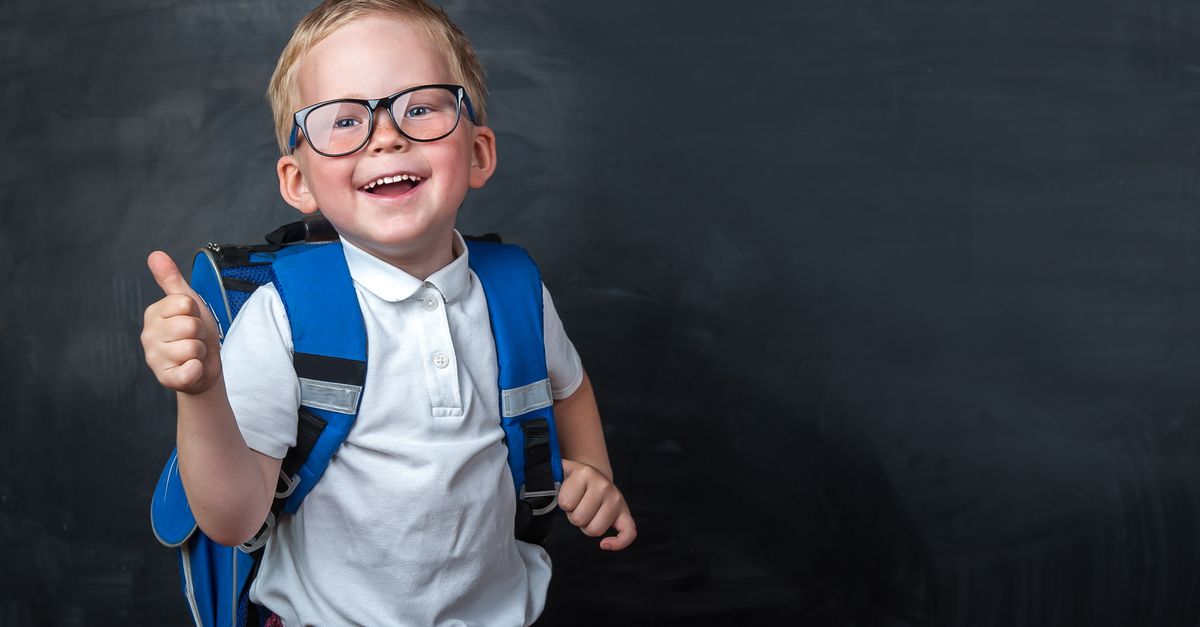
891 307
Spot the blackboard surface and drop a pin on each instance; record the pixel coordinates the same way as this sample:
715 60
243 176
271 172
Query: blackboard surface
893 309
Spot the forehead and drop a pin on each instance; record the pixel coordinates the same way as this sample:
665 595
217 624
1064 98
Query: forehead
370 57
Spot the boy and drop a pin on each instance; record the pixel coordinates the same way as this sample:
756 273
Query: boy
412 521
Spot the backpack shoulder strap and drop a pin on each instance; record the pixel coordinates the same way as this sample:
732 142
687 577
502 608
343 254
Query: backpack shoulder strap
329 341
512 286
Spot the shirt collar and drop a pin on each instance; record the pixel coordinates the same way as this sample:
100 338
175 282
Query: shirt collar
394 285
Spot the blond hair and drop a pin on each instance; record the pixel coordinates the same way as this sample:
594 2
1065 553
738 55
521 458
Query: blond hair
283 93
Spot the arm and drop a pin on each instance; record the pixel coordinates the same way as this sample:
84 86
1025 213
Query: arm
229 486
588 495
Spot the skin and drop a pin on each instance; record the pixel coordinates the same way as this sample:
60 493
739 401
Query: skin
229 485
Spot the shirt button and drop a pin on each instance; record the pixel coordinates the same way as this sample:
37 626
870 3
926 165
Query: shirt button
440 360
430 303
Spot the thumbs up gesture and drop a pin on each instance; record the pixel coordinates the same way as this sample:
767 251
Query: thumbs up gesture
179 334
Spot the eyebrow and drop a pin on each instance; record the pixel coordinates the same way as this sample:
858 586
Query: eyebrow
358 96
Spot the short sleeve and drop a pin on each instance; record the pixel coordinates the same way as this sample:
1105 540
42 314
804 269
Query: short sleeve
256 360
562 361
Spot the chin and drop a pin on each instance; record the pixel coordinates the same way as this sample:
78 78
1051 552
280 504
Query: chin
406 237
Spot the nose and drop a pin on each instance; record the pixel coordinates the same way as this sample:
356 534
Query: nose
386 136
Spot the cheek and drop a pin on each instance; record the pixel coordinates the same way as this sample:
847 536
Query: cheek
461 161
458 155
331 178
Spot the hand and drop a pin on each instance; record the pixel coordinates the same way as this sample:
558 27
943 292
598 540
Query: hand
179 334
595 505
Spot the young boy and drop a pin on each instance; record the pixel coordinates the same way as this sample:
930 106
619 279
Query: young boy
412 522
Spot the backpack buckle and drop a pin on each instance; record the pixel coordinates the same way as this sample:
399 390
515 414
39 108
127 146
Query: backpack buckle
289 483
260 539
534 494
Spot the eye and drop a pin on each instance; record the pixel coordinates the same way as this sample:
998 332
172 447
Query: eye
346 123
417 111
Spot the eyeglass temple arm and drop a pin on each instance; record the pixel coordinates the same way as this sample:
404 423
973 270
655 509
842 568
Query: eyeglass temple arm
294 137
470 108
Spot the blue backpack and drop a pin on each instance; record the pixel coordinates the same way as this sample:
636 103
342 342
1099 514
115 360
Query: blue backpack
306 264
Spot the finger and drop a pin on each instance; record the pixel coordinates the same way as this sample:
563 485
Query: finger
183 377
186 326
604 518
573 486
569 495
583 513
570 466
171 306
167 274
180 352
626 532
161 331
164 356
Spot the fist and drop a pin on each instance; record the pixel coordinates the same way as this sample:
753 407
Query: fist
179 333
595 505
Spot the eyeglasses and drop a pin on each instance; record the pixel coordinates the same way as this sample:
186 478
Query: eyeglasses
425 113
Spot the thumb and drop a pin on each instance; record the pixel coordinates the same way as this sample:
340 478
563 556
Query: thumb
167 274
569 467
626 532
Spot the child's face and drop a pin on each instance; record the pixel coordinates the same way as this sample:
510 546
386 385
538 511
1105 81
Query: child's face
373 57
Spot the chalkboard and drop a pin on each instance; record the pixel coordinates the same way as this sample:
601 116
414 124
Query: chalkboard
892 309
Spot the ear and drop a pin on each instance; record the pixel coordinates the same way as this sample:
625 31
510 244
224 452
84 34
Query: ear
292 186
483 156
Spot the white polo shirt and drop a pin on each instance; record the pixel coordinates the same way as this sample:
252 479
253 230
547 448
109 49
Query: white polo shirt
412 523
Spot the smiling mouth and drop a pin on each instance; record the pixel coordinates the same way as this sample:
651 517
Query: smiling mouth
392 185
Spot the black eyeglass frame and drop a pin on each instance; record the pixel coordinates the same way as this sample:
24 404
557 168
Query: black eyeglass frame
300 118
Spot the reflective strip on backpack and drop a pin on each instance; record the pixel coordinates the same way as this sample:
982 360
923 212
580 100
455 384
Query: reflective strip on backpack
189 588
526 398
339 397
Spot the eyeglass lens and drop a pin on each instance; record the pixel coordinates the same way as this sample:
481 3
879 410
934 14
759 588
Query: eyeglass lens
342 127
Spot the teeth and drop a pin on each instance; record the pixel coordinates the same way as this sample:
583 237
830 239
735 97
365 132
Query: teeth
391 179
